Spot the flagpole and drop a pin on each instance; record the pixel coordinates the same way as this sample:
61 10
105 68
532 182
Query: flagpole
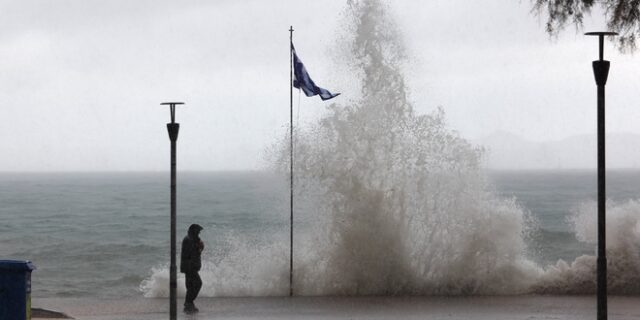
291 160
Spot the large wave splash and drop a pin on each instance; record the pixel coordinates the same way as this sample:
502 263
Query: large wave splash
395 202
403 203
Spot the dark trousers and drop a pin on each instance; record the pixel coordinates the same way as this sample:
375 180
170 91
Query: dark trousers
193 283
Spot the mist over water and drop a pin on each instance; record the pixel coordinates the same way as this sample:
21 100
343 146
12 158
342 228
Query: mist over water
394 202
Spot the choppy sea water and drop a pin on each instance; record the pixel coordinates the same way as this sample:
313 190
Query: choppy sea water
100 234
107 234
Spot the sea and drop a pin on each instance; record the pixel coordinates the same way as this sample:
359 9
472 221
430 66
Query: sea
107 235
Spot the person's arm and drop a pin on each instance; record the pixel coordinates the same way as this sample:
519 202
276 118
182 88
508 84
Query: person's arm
183 252
186 256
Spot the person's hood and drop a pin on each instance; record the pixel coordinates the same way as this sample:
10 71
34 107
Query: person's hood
194 230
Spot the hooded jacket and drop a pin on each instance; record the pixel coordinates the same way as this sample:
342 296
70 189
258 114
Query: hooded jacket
191 248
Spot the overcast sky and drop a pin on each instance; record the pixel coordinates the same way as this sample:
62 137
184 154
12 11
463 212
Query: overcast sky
81 81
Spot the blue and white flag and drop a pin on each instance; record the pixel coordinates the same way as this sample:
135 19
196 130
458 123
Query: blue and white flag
301 80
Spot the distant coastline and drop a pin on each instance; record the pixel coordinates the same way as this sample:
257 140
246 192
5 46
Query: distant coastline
508 151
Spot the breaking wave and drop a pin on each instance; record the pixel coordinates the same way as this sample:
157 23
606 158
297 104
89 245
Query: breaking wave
246 270
623 253
399 203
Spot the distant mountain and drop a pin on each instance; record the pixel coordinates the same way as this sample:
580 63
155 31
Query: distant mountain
505 150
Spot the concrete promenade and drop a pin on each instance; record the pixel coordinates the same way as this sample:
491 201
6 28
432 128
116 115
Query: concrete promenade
476 307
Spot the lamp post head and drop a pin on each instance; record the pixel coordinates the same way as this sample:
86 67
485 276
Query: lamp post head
172 108
601 35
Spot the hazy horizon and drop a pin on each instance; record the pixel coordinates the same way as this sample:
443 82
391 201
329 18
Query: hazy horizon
495 147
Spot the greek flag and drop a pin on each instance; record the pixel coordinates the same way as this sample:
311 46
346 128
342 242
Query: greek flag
301 80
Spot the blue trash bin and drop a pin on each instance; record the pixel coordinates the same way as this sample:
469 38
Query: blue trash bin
15 289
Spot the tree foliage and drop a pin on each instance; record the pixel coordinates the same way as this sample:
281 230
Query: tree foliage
622 16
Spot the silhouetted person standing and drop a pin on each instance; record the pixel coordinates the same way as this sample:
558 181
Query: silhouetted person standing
190 264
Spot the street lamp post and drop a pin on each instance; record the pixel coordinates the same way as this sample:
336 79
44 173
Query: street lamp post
173 129
601 72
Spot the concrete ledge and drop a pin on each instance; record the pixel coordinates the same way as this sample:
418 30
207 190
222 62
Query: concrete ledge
39 313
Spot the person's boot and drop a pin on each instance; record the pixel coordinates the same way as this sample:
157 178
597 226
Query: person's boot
190 308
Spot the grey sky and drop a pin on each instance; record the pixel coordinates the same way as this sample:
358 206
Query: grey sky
81 81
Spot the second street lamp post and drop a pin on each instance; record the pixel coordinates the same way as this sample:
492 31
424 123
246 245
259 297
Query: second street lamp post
173 129
601 72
